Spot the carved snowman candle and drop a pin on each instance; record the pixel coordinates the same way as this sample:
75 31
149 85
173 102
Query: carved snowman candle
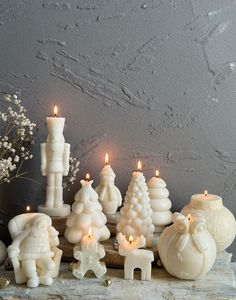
135 258
55 155
136 214
186 248
160 202
219 220
86 214
109 195
33 252
89 253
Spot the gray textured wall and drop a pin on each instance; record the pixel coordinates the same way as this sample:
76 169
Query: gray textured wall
153 80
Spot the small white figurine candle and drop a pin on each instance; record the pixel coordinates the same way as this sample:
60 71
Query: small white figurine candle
135 258
86 213
186 248
109 195
33 252
160 202
136 214
220 221
89 253
55 155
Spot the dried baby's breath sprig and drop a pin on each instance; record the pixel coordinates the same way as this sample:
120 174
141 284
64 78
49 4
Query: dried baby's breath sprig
74 169
16 135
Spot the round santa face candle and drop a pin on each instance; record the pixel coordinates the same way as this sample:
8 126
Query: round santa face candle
220 221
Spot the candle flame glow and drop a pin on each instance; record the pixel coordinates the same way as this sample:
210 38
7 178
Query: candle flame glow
157 173
131 239
206 193
139 166
55 110
106 159
87 177
89 232
28 209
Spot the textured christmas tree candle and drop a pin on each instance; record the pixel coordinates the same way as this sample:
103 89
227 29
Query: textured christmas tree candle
160 202
136 214
86 214
109 195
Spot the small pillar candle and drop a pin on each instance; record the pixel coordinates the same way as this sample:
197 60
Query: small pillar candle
109 195
219 220
55 155
89 253
134 257
136 214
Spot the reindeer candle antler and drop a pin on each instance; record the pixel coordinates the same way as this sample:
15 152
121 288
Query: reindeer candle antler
134 257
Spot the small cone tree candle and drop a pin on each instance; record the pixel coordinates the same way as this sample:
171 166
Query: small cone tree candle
160 203
109 195
86 214
136 214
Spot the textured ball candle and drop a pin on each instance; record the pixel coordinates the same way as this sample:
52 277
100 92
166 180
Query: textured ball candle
160 202
219 220
109 195
136 214
186 248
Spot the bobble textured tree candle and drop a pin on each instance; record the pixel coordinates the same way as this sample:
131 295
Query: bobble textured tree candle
86 214
136 214
109 195
160 202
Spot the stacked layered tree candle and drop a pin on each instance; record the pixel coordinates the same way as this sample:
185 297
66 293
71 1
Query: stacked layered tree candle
136 214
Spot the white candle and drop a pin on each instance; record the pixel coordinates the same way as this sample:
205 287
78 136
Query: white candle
134 257
86 213
109 195
186 248
160 202
55 155
33 252
136 214
220 221
89 253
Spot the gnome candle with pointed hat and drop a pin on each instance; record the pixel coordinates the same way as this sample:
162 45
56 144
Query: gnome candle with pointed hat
136 214
55 155
86 214
160 202
109 195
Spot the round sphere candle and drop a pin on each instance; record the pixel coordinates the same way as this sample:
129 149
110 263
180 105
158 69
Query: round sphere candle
219 220
186 248
160 202
109 195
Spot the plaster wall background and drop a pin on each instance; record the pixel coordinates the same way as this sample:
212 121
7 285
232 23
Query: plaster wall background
151 80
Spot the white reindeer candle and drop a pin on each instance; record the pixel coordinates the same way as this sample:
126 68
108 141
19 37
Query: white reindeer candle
109 195
135 258
89 253
55 155
136 214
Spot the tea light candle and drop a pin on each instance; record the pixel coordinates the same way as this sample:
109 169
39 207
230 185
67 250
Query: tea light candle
55 155
219 220
109 195
134 257
89 253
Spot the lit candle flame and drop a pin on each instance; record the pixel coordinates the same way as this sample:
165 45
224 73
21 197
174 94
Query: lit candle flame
89 232
55 110
189 217
87 177
131 239
106 159
157 173
206 193
28 209
139 166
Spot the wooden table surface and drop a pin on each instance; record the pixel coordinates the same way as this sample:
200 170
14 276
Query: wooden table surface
219 284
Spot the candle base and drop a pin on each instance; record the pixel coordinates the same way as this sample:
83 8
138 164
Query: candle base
55 211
